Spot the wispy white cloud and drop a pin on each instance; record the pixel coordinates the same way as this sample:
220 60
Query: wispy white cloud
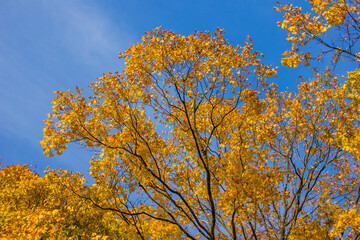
86 31
50 45
77 38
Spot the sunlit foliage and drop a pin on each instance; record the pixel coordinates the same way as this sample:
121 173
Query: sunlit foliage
331 25
34 207
193 141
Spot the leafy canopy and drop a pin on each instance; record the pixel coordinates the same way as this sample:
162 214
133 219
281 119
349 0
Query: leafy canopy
332 24
34 207
192 141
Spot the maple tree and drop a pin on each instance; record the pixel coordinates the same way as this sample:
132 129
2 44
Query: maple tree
334 27
192 141
34 207
333 24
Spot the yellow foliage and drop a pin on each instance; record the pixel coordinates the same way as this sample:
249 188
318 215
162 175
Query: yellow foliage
193 142
331 23
34 207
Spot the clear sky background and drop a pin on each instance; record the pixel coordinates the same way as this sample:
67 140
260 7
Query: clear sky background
56 45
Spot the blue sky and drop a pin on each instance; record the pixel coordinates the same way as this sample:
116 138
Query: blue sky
56 45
